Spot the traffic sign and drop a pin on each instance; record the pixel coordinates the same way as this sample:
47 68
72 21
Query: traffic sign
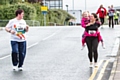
44 12
44 8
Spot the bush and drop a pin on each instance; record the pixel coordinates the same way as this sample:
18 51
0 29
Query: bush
8 12
33 12
4 2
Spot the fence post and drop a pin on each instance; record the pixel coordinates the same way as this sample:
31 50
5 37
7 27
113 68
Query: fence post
54 24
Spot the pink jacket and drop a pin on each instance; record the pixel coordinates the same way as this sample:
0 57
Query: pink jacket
96 34
84 22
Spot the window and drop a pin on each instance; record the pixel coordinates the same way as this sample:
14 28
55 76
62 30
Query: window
55 4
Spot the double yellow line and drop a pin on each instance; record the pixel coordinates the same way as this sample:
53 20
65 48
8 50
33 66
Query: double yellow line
101 72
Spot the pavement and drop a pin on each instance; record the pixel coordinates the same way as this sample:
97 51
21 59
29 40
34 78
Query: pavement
115 58
115 72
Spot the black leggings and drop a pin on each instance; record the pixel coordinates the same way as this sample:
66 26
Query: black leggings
92 45
102 21
111 21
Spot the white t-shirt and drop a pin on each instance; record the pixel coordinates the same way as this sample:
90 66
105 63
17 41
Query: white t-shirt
19 27
102 9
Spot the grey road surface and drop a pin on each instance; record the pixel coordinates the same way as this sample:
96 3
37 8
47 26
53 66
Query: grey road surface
54 53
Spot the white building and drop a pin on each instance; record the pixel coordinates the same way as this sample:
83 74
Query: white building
117 8
77 14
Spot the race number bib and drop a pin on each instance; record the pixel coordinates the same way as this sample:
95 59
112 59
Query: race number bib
91 31
20 28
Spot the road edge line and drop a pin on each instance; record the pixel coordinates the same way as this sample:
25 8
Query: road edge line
95 71
10 54
103 69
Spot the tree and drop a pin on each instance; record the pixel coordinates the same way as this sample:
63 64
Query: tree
4 2
34 1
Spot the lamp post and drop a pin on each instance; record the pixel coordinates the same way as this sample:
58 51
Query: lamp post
67 7
44 16
73 4
85 5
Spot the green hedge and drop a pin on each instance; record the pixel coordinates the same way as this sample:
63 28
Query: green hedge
33 12
4 2
53 15
8 12
3 23
58 16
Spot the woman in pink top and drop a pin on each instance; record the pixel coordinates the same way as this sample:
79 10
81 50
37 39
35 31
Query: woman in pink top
92 38
85 20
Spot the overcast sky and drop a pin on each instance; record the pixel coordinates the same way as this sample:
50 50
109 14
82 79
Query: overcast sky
91 5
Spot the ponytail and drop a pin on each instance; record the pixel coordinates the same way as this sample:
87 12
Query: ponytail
95 16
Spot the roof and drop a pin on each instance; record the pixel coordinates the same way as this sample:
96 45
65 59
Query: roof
117 8
53 0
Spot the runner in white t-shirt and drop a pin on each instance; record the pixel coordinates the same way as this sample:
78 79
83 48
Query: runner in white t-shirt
17 27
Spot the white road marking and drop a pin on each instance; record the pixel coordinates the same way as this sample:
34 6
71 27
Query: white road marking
95 71
10 54
4 57
49 36
103 70
30 45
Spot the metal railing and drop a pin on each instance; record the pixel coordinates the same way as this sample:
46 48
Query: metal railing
29 22
32 23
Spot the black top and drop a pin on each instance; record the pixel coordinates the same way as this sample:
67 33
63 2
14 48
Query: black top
94 26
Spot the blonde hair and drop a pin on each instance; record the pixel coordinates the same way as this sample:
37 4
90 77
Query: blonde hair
85 12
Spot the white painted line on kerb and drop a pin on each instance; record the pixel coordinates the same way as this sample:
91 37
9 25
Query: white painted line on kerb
49 36
115 48
27 48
